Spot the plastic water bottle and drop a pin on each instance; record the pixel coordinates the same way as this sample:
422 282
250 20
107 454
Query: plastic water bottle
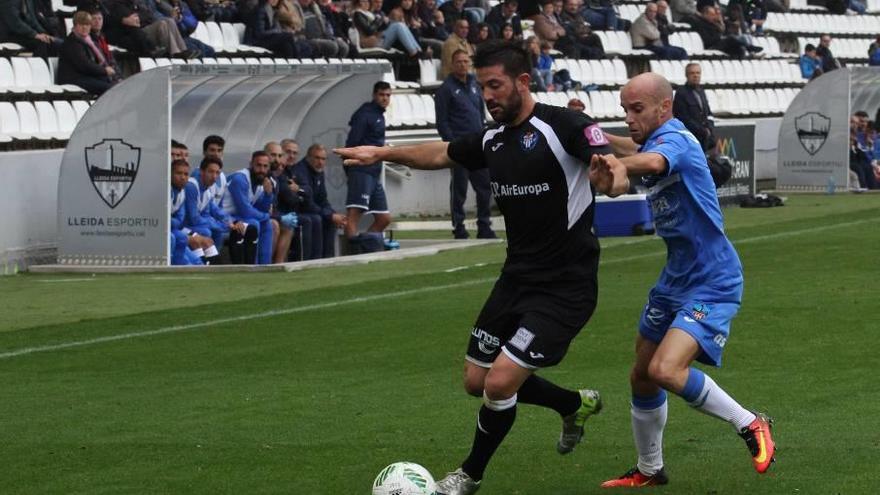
832 186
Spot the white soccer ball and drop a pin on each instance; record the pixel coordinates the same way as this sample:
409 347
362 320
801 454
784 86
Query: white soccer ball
404 478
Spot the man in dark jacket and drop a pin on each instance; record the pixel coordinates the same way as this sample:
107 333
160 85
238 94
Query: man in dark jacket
459 109
691 107
829 61
318 218
20 22
81 61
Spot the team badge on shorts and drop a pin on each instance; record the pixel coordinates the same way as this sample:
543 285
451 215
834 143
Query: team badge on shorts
700 311
529 140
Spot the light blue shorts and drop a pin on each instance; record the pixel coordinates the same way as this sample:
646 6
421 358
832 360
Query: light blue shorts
708 322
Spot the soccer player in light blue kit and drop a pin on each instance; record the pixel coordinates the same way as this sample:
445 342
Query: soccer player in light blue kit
689 310
250 197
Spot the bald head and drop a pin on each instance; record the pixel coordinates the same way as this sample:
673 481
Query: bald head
647 101
650 85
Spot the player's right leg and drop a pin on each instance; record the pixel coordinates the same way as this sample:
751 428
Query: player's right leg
648 412
494 421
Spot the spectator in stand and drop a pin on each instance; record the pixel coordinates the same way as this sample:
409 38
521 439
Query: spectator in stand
857 7
829 61
542 65
186 24
874 53
458 105
645 34
504 14
456 41
132 21
319 219
318 31
811 64
220 11
365 191
81 61
482 34
588 44
710 26
601 16
752 14
375 29
250 198
576 105
548 28
663 24
412 19
683 10
264 29
691 107
454 10
508 33
97 34
20 23
145 16
433 21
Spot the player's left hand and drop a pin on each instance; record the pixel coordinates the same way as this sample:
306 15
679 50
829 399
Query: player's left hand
359 155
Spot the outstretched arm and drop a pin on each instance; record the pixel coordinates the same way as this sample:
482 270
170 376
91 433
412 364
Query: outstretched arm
428 156
622 146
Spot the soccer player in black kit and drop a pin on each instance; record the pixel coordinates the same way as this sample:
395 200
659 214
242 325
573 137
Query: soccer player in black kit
538 158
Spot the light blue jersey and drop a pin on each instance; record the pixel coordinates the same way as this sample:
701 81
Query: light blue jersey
700 288
701 261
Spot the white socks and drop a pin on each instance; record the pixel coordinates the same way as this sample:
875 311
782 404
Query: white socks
713 400
648 420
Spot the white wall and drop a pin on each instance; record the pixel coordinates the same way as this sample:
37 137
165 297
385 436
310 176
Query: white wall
28 207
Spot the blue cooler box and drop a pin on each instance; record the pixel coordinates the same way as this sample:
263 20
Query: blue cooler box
628 214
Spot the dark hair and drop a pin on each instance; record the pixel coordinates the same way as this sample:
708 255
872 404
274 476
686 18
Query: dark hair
861 113
178 145
809 48
213 139
209 160
179 163
510 55
380 86
259 153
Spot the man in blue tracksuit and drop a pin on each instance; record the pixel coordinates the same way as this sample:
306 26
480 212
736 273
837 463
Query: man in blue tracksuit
179 237
365 191
249 197
459 108
318 219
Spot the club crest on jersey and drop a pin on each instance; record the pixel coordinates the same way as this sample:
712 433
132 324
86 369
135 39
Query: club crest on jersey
529 140
112 166
700 311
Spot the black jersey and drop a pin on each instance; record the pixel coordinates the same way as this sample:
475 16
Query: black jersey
540 179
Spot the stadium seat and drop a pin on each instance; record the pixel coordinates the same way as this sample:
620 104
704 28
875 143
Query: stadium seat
162 62
178 61
66 116
146 63
215 36
428 103
80 107
29 121
355 38
428 71
9 123
201 33
49 120
7 80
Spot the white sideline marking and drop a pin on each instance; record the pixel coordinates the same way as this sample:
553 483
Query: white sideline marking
404 293
62 280
181 277
254 316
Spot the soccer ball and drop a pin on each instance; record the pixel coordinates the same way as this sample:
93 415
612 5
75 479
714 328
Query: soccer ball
404 478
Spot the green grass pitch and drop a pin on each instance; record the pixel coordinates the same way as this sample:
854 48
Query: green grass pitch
310 382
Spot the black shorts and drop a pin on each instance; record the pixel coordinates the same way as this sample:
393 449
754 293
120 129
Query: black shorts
533 324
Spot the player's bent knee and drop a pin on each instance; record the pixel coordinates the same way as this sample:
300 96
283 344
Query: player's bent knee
498 387
662 372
